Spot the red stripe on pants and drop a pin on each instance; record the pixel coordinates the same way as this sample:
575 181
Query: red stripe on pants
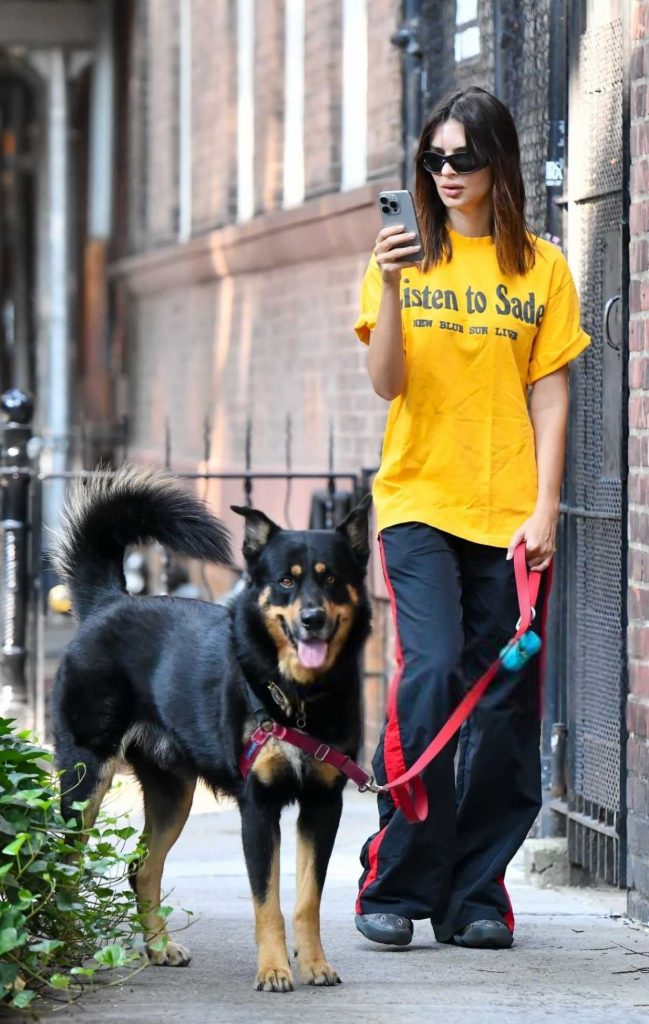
393 757
508 917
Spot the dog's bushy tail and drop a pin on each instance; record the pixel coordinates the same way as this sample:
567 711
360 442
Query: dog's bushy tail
106 513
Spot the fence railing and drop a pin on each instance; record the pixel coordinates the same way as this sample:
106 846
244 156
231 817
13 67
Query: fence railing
26 575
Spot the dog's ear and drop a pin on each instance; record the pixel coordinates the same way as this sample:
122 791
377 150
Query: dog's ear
259 530
355 528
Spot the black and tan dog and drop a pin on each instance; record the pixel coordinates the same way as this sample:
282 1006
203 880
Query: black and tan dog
167 685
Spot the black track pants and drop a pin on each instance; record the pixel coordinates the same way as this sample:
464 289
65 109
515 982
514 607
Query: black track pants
454 604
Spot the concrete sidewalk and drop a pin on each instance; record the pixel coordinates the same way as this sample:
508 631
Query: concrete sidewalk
575 957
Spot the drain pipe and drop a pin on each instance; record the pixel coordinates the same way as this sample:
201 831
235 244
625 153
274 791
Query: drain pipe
406 38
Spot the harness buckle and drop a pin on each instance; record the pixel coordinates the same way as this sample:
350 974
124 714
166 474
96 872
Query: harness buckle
321 752
260 735
279 731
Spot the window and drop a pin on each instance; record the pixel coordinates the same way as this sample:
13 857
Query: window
467 30
354 100
293 169
245 109
185 123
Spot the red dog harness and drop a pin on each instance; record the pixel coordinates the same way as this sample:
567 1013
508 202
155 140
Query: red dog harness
409 790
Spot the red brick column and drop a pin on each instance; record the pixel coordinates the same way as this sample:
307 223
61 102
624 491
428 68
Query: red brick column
322 96
162 122
638 596
383 90
269 104
214 114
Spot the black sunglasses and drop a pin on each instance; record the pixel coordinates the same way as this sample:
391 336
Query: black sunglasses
462 163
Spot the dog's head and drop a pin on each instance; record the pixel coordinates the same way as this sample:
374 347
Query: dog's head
307 588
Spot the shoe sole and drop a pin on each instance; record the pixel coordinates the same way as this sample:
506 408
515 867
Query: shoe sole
486 941
376 934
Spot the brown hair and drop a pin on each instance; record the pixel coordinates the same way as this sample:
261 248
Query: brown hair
491 135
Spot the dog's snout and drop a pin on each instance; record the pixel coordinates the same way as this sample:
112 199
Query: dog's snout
313 618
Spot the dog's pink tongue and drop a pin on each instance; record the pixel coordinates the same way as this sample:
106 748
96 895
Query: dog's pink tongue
312 653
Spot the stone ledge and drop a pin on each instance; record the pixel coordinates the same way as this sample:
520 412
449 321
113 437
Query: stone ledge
546 862
336 225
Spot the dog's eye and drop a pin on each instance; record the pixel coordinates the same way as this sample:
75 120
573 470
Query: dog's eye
330 579
287 582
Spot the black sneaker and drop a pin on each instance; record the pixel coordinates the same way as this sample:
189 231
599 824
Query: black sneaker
484 935
390 929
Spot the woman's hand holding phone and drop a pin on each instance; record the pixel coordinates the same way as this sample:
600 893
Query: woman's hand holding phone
395 252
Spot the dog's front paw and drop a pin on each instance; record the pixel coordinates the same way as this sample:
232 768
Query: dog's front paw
318 972
274 979
171 955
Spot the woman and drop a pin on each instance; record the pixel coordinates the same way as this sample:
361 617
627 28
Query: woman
456 337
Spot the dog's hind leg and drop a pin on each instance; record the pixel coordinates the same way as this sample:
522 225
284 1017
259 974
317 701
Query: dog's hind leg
316 831
167 803
261 841
84 777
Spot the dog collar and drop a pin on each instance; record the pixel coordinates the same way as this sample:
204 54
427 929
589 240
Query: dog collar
293 704
261 712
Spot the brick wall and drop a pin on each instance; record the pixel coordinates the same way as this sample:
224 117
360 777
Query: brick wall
266 343
259 347
638 563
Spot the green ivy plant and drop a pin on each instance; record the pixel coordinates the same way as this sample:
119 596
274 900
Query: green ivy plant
64 916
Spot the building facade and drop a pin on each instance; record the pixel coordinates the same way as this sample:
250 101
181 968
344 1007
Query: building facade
217 268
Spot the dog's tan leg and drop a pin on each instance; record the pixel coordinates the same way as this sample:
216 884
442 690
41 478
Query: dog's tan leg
167 803
87 818
273 970
261 841
317 827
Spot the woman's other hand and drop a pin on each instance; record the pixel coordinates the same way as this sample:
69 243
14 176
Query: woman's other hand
538 532
392 244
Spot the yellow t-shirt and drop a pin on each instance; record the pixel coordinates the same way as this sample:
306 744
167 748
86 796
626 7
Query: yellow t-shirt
458 451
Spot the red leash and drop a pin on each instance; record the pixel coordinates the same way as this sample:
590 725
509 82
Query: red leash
409 790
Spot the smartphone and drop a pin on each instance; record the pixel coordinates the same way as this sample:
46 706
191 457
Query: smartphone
399 208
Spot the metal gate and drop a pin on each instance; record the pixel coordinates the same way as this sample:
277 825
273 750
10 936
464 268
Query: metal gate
592 572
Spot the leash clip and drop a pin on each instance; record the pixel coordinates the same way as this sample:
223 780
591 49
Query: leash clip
532 617
370 785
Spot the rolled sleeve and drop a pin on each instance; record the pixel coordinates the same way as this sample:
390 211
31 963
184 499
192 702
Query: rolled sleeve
560 337
370 301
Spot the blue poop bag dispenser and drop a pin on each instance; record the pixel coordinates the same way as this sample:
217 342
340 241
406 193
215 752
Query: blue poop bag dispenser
514 656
